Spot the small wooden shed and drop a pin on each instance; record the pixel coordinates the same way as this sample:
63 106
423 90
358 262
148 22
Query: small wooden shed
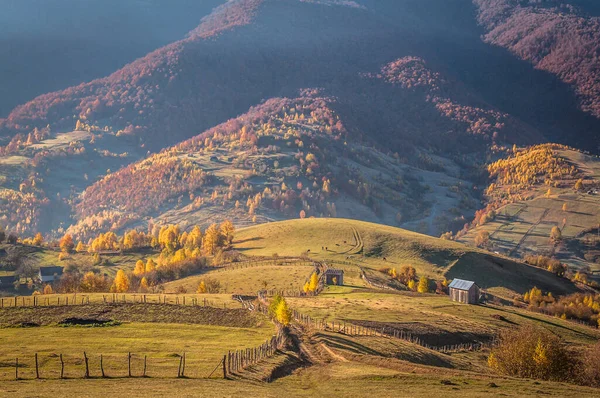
50 274
464 291
334 276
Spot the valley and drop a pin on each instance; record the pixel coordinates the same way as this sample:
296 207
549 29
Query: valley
300 198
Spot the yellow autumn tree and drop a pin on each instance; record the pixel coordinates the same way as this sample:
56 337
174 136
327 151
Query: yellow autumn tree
140 268
66 243
411 284
313 284
150 265
80 248
194 238
227 231
168 237
144 285
121 283
423 286
555 234
48 289
283 313
579 185
211 241
482 238
38 239
201 287
306 287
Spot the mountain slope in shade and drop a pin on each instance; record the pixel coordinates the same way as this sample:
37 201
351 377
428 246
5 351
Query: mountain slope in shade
250 50
411 104
48 45
553 36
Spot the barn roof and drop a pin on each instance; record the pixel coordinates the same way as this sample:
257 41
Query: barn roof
333 271
50 271
461 284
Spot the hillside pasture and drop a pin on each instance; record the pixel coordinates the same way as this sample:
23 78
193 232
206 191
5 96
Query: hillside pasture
523 228
433 318
372 247
248 280
163 344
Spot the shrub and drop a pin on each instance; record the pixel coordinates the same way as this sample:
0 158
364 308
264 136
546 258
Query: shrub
532 353
209 285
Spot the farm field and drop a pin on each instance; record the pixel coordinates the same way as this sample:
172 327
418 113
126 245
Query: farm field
161 332
524 227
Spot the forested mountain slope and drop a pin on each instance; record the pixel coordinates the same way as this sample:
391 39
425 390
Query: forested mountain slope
398 105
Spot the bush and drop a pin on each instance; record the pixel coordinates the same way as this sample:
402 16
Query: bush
532 353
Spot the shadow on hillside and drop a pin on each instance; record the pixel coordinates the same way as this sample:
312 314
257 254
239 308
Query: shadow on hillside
235 242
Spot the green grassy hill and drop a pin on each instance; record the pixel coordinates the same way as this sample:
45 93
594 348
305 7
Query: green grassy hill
373 246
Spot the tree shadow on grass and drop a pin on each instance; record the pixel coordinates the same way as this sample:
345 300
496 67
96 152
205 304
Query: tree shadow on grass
547 322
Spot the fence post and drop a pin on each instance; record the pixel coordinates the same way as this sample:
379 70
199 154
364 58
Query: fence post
17 369
102 366
37 369
224 367
62 367
87 368
144 375
129 364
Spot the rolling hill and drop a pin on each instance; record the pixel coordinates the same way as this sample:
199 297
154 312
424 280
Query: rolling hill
388 112
361 248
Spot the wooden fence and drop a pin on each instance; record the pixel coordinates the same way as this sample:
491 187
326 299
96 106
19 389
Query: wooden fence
350 329
241 359
59 366
113 298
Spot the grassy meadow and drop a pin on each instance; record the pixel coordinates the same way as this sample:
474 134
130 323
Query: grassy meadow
371 247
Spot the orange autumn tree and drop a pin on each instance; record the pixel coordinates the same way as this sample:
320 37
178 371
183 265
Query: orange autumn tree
66 244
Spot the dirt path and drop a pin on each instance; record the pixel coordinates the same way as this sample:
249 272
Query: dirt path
333 354
359 246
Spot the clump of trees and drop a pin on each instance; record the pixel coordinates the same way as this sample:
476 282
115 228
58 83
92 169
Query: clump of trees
530 352
547 263
208 285
408 277
312 285
579 306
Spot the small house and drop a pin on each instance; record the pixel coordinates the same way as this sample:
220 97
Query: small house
8 280
334 276
50 274
463 291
